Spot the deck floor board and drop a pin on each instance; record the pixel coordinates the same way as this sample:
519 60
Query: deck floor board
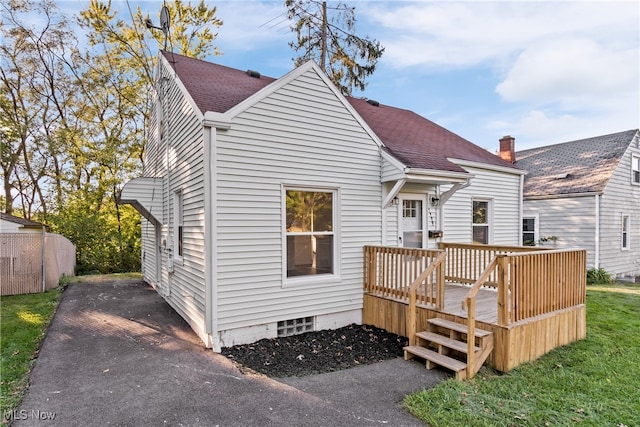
486 302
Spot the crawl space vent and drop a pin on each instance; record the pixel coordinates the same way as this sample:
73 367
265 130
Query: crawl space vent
287 328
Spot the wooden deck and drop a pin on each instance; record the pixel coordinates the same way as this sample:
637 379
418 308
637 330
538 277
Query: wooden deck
532 301
486 302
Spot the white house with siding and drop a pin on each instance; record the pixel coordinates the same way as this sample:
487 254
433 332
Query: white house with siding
259 194
586 194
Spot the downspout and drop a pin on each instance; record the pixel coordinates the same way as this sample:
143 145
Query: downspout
521 211
596 261
210 236
208 273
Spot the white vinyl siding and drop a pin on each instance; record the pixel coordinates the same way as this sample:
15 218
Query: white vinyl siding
503 190
299 135
567 222
620 198
178 160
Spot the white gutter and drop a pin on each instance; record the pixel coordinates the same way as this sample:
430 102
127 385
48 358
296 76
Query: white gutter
478 165
521 210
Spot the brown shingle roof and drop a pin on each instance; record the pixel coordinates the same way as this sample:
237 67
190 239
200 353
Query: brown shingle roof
415 141
419 142
215 87
582 166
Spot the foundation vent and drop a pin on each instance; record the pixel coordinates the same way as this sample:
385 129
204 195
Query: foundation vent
287 328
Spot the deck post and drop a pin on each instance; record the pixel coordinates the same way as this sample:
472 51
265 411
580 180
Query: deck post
440 287
503 290
411 318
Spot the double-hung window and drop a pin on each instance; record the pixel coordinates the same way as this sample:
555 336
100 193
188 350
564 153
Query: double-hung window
529 231
481 221
310 231
635 170
626 227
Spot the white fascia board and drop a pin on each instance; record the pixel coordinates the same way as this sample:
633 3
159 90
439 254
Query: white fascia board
437 176
181 86
217 120
487 166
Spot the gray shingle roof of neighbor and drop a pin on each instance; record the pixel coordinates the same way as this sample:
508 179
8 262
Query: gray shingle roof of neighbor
582 166
414 140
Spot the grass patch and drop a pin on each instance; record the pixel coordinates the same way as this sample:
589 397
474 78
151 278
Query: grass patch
592 382
23 323
92 278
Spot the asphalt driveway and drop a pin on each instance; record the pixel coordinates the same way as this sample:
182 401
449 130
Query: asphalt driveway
117 354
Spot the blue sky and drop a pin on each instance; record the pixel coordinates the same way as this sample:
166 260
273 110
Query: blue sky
543 72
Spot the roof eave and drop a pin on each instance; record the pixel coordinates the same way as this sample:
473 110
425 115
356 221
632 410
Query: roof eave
470 163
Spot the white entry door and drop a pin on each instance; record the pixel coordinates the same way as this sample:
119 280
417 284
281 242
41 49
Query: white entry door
412 227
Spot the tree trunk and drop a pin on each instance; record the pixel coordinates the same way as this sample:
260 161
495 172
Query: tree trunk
323 51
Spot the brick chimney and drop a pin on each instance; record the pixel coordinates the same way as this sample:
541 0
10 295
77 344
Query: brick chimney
508 148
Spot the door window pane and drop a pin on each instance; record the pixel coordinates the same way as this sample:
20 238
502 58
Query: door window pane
412 223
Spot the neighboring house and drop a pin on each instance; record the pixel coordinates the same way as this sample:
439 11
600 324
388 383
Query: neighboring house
586 194
14 224
32 259
259 194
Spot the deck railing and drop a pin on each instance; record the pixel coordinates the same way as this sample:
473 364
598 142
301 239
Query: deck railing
533 283
390 272
466 262
547 281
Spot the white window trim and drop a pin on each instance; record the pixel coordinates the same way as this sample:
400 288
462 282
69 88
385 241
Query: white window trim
315 278
626 231
489 217
634 157
178 222
536 229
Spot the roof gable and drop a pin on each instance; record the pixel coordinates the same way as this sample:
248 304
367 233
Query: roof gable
414 140
581 166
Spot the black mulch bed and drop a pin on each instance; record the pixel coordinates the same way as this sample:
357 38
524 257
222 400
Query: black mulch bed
317 352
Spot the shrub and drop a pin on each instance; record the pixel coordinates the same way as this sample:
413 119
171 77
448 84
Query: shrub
598 276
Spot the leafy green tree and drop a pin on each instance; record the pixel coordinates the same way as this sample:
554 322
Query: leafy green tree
326 35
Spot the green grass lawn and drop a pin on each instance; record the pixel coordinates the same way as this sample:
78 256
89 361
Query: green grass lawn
592 382
23 323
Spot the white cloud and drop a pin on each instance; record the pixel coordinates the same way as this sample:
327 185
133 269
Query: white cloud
437 34
571 72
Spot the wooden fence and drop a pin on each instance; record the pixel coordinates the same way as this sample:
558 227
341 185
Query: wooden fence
34 262
389 272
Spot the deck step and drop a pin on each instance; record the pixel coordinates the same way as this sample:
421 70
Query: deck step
480 333
435 357
445 341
